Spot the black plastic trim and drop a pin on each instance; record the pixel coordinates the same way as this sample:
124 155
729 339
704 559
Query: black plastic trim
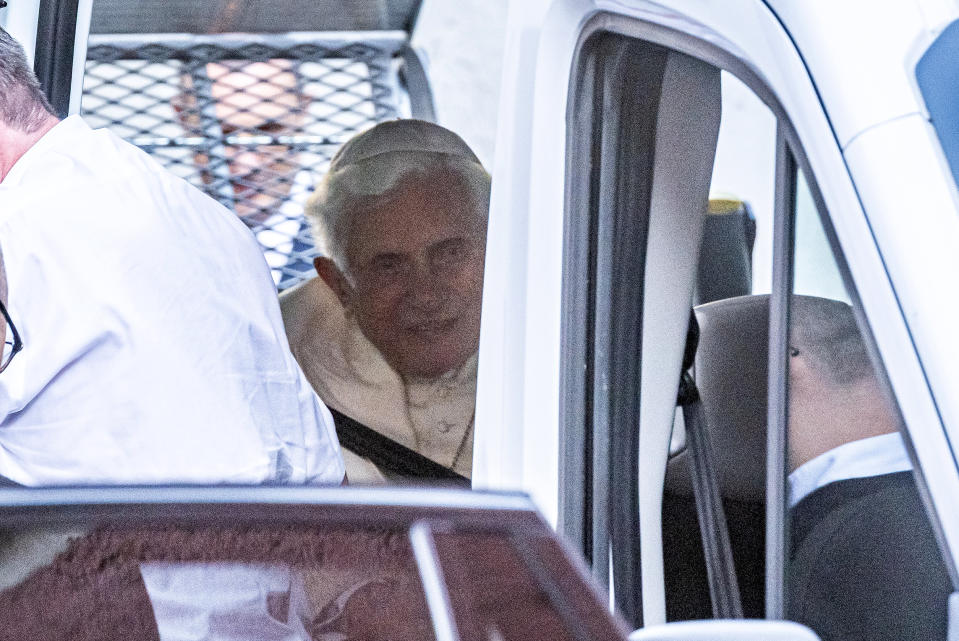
609 180
413 76
778 385
53 61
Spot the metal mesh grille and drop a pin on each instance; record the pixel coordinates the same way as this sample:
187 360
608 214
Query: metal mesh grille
253 125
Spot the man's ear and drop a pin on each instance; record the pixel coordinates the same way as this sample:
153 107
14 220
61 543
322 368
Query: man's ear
334 278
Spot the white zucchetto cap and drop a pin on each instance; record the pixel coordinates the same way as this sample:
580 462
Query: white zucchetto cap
404 135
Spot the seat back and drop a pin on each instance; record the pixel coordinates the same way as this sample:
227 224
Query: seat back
731 374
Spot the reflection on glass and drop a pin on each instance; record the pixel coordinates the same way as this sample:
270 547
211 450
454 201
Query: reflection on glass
863 559
171 582
184 584
507 603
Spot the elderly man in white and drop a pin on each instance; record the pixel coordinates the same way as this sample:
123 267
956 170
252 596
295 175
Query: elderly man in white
153 349
388 334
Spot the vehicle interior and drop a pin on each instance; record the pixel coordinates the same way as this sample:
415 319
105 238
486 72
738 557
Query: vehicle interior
249 105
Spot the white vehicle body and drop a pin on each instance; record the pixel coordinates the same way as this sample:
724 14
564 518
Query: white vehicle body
844 76
855 114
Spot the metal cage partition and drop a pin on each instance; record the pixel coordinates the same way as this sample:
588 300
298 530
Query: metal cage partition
252 120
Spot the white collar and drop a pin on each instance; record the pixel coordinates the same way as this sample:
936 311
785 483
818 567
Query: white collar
63 130
873 456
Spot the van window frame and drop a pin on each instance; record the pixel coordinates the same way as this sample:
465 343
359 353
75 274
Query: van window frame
53 57
578 482
590 434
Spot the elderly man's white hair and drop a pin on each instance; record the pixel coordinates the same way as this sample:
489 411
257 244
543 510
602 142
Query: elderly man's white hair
375 162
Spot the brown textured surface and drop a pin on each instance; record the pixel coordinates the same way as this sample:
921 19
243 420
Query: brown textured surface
93 590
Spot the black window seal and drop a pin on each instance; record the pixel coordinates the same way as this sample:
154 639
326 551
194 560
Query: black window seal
608 187
53 58
777 517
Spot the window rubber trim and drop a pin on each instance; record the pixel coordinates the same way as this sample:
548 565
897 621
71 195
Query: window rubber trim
777 517
53 60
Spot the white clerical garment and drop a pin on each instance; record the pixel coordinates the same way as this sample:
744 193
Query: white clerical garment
433 417
154 349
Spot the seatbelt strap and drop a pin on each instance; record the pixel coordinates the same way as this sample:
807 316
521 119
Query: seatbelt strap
720 569
389 455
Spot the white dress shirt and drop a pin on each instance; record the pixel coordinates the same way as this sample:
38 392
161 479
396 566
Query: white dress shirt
153 349
873 456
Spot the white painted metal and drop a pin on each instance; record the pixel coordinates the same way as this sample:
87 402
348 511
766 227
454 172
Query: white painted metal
726 630
84 14
859 54
517 410
19 19
901 250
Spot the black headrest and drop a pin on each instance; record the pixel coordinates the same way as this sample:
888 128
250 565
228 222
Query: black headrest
725 256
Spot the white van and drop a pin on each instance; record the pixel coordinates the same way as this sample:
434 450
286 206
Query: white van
838 124
812 148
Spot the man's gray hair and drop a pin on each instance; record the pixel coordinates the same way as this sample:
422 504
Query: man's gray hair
377 162
23 106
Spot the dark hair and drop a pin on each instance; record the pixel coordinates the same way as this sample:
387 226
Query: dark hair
23 106
827 333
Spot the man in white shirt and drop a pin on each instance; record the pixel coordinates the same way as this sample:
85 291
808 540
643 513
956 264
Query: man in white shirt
153 348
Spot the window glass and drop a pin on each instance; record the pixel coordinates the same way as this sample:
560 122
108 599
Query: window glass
815 271
937 76
863 560
193 583
293 581
744 169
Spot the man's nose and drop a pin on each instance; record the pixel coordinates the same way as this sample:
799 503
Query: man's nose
426 290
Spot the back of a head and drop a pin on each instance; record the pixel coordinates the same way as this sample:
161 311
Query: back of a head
827 333
732 374
23 106
376 161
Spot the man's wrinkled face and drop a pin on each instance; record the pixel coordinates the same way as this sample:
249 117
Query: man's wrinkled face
415 259
257 99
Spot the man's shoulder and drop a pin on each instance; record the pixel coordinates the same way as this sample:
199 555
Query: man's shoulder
857 540
309 307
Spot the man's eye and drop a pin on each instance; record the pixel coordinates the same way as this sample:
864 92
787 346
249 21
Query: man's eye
451 253
386 266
